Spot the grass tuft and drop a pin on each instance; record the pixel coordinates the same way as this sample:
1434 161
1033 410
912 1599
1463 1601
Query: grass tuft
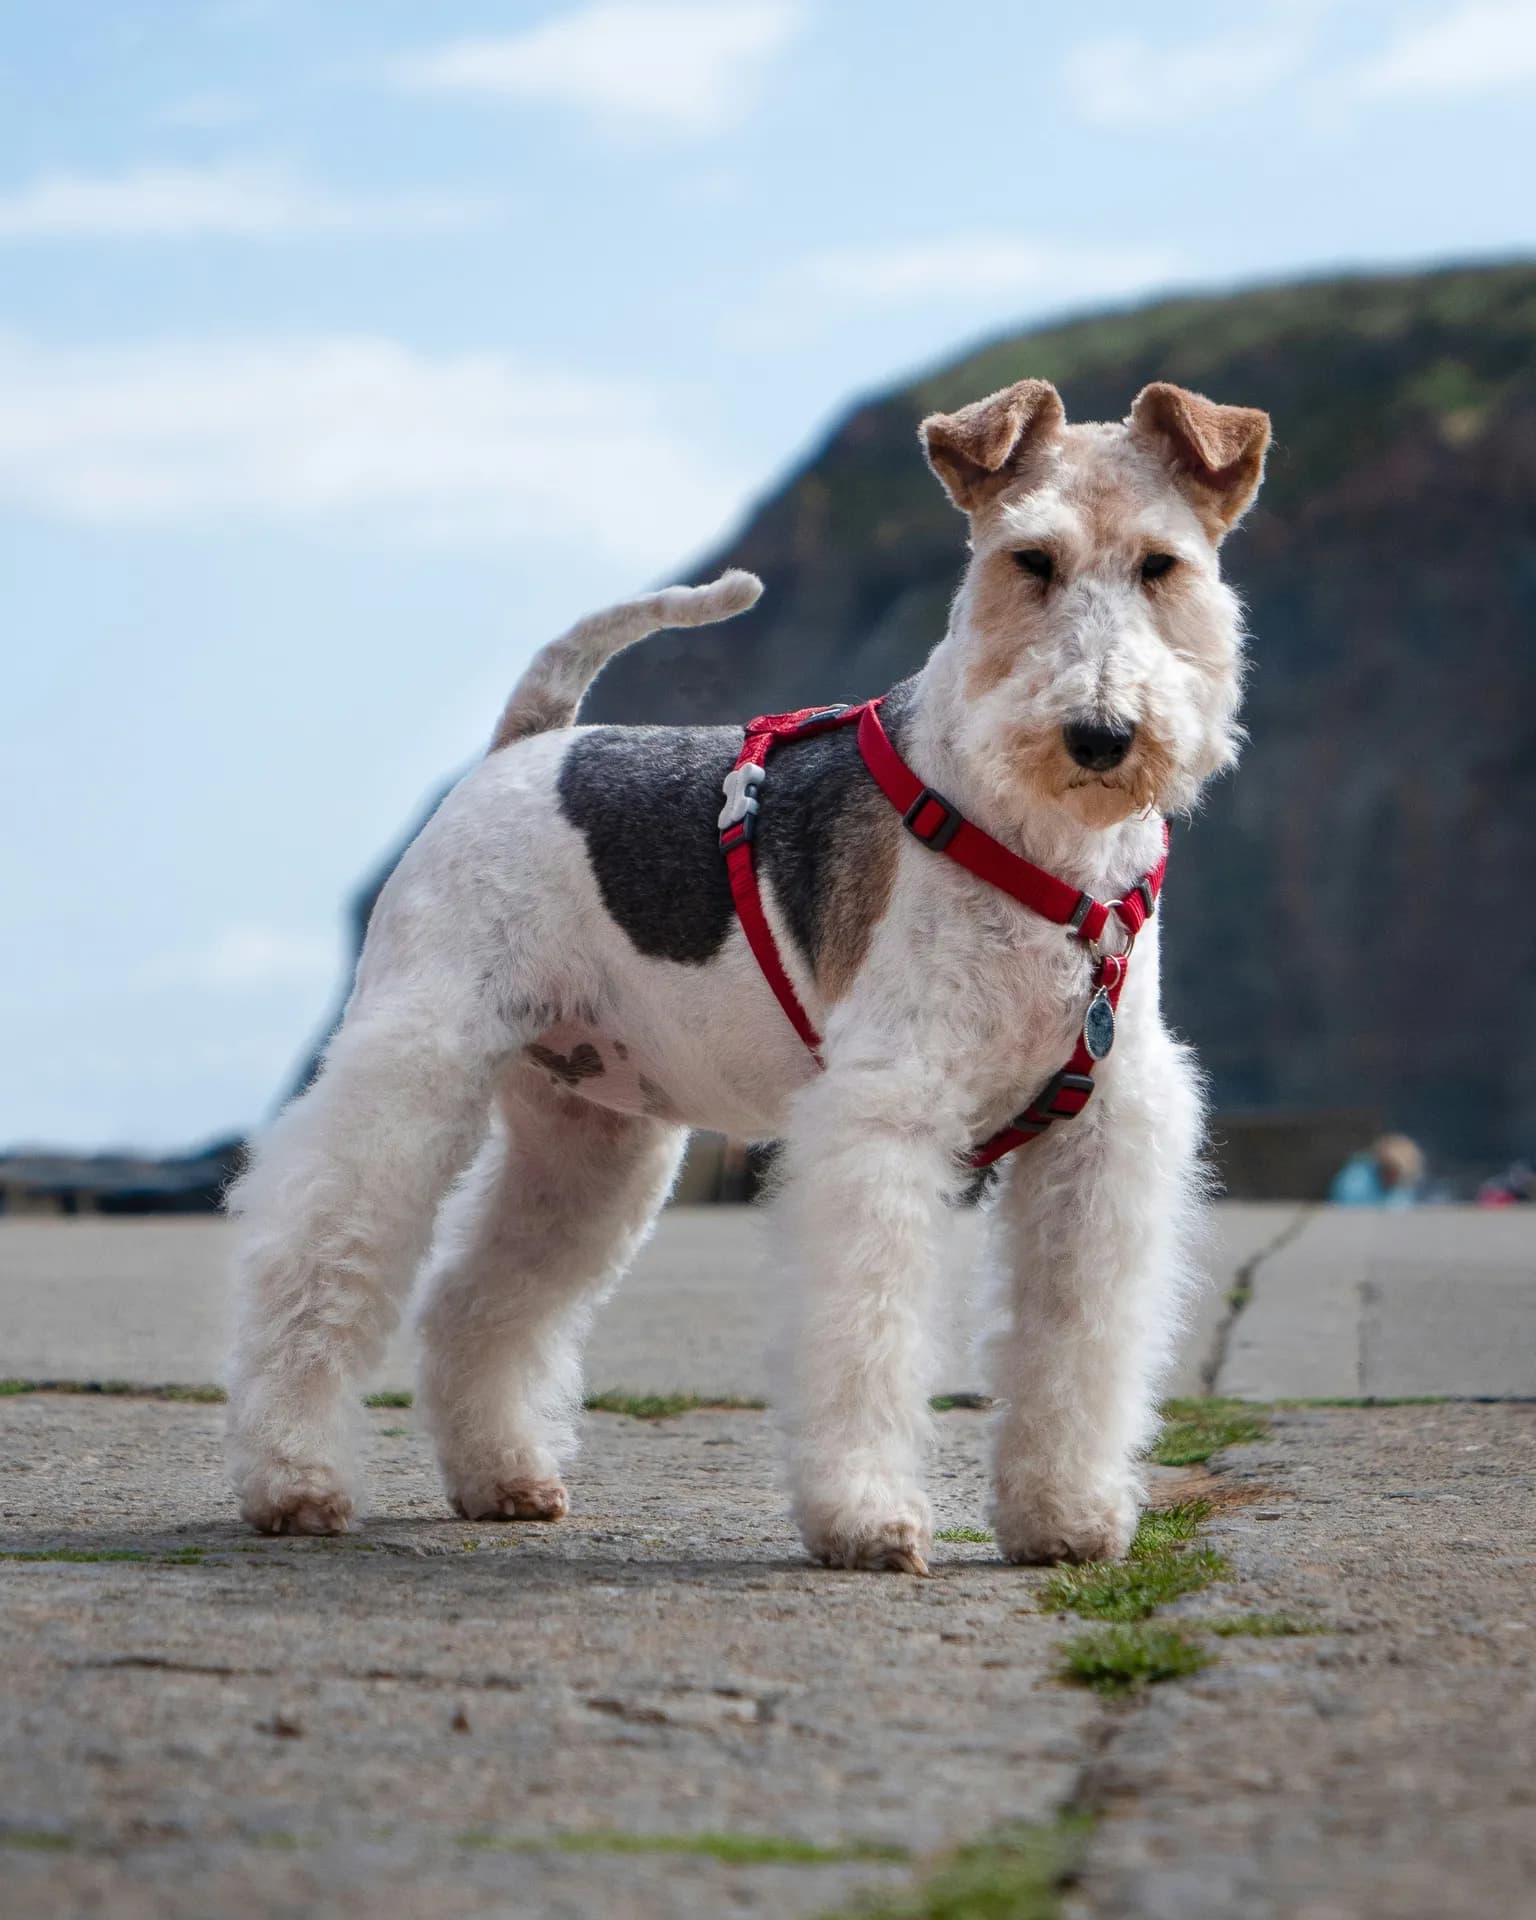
1132 1589
1195 1429
1260 1626
735 1849
1017 1874
962 1402
119 1390
1125 1658
667 1406
37 1839
1163 1527
973 1536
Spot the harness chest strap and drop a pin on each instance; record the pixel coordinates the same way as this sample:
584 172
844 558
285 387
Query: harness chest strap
930 818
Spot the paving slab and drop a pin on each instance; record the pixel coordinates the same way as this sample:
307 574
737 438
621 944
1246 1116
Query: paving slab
1361 1302
1384 1769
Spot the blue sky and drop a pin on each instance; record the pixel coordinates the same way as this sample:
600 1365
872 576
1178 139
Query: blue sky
348 351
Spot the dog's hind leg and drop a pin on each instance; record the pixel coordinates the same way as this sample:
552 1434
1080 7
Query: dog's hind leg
335 1214
557 1203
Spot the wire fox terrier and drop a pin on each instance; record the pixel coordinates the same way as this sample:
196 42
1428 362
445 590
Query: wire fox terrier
558 983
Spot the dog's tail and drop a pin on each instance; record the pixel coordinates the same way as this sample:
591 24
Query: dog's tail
550 691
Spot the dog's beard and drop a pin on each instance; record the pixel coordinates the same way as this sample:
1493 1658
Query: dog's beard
1144 780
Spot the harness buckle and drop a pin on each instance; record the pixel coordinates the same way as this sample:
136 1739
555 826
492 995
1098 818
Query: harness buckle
820 718
1042 1110
738 817
949 822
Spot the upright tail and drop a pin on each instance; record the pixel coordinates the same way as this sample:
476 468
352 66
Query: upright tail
550 691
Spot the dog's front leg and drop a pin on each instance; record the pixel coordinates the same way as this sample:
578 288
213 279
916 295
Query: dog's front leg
866 1162
1095 1220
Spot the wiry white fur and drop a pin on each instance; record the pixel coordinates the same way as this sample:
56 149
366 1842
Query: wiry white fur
492 932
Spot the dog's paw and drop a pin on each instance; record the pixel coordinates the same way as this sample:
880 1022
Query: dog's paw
893 1541
520 1499
285 1499
1046 1532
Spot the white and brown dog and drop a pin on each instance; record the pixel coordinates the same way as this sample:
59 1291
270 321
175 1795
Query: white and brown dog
556 986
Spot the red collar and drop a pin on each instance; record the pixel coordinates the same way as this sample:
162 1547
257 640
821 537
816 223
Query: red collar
931 819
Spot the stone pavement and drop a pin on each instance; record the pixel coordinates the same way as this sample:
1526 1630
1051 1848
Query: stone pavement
1339 1303
195 1722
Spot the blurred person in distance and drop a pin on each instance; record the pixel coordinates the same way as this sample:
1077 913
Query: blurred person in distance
1388 1174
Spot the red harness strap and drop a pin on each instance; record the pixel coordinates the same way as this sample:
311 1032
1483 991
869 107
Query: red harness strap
930 818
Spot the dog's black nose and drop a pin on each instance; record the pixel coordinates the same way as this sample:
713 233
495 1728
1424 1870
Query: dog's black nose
1098 745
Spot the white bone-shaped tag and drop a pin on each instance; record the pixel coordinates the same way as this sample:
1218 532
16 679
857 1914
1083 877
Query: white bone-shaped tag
740 786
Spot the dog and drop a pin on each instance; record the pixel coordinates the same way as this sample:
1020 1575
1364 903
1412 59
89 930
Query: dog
556 986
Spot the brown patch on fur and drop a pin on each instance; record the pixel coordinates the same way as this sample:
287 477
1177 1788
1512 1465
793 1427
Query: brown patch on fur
583 1062
1005 604
980 449
658 1102
862 871
1217 453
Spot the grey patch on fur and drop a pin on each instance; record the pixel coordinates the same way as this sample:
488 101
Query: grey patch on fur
583 1062
621 1050
647 801
819 796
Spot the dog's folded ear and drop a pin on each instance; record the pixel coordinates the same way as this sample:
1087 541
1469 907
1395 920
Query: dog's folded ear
1217 453
979 450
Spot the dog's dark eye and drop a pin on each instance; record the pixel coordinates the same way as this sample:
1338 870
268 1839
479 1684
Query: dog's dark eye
1036 562
1156 565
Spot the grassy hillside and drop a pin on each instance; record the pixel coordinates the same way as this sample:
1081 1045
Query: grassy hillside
1349 922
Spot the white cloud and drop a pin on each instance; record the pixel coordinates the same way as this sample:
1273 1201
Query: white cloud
981 267
1487 47
472 445
689 69
249 959
189 202
1134 85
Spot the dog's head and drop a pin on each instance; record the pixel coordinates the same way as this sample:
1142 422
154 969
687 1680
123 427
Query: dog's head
1100 654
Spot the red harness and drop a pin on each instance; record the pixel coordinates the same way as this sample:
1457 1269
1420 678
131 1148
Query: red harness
932 820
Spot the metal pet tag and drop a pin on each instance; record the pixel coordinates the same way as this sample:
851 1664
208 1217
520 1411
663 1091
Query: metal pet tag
1099 1026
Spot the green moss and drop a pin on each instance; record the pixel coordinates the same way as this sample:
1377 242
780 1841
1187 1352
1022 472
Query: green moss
36 1839
91 1556
1132 1589
1017 1874
119 1390
735 1849
1260 1626
666 1406
1125 1658
1195 1429
974 1536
